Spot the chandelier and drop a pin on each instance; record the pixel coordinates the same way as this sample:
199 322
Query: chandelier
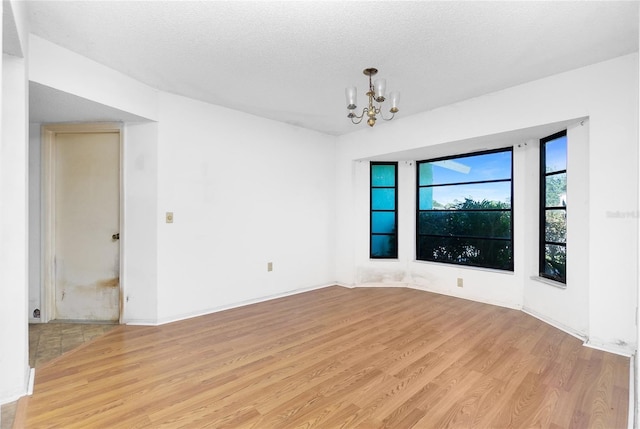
375 93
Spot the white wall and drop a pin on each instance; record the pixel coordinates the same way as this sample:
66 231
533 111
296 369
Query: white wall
545 300
59 68
138 229
14 362
244 191
606 93
635 363
35 245
613 169
138 236
66 71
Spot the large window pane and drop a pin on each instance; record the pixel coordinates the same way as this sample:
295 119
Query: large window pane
383 175
467 251
491 224
383 222
556 226
474 168
464 210
556 190
383 199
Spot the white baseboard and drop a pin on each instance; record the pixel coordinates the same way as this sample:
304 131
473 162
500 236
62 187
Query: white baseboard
549 321
622 350
618 349
422 288
185 316
32 379
633 410
140 322
389 284
349 286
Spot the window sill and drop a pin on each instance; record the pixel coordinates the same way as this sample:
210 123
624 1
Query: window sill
549 282
464 267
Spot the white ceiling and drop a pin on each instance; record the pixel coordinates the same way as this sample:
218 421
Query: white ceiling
10 38
291 60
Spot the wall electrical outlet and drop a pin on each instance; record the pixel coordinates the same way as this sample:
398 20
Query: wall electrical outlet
269 266
460 282
169 217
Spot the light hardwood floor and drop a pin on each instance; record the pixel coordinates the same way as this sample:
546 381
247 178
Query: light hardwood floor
335 358
47 341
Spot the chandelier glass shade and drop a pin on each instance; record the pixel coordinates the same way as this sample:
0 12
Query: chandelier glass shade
376 96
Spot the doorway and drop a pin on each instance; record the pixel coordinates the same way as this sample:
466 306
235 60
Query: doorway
82 212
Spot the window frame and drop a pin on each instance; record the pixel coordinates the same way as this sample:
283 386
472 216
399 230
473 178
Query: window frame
372 211
510 210
542 238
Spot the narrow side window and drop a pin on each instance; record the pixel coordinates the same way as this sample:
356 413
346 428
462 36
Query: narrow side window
553 207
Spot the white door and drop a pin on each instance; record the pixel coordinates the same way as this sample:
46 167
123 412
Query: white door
87 217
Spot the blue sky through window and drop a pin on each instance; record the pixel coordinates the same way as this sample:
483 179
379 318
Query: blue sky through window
556 154
489 166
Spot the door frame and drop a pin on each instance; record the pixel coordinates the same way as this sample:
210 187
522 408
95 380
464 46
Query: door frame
48 139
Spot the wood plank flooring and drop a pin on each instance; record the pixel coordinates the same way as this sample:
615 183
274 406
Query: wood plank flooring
335 358
47 341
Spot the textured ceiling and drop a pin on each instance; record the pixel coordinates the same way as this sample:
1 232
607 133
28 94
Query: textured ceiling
290 61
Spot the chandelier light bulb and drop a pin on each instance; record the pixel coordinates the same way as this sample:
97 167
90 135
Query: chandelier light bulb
394 98
379 86
352 94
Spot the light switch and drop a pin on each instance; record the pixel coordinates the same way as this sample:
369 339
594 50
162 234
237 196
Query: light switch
169 217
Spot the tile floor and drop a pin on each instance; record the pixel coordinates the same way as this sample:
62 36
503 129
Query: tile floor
48 341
